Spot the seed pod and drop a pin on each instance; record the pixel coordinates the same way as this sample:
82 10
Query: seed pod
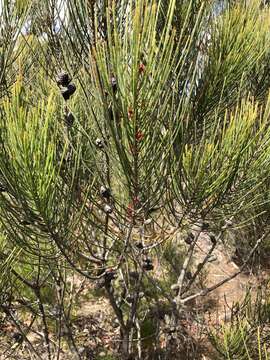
139 245
148 266
69 119
205 226
109 275
105 192
108 209
130 298
114 84
228 223
110 111
172 330
153 209
68 91
65 93
99 143
213 238
2 189
63 79
17 337
72 88
25 222
190 238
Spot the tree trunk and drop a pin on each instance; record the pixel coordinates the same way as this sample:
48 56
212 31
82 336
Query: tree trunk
125 348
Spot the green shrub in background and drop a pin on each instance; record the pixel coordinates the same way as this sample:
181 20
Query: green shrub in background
245 334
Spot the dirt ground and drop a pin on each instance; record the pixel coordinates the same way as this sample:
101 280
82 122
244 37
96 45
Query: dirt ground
95 331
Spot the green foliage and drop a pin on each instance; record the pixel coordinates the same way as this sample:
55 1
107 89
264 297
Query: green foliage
232 343
245 335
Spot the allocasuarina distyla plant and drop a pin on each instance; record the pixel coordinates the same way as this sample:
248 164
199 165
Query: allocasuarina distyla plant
154 136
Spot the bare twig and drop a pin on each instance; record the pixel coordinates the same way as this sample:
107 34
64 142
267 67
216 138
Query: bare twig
229 278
